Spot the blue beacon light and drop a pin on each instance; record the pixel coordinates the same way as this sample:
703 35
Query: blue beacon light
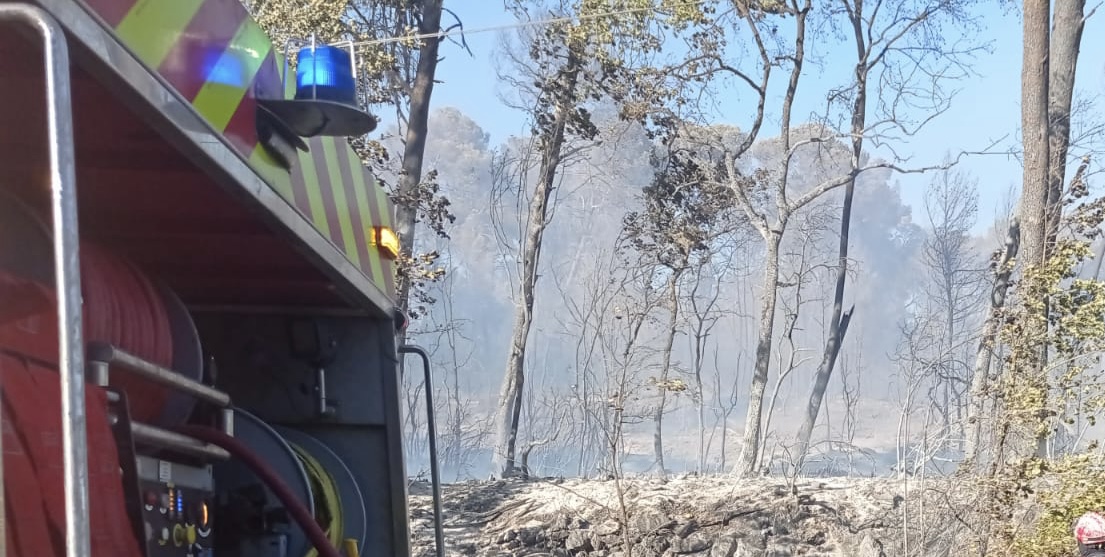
326 73
325 102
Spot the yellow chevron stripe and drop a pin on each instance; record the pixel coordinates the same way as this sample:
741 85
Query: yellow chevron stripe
152 27
289 83
314 194
360 191
383 203
247 50
341 205
271 172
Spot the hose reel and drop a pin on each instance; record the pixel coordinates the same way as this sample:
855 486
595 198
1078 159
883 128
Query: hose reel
123 307
319 479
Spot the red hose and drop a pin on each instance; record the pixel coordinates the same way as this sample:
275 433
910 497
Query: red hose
123 309
239 450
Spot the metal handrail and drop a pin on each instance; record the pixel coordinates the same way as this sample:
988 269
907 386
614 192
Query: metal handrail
163 438
59 123
166 439
431 433
101 355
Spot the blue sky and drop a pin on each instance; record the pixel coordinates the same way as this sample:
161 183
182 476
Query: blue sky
986 108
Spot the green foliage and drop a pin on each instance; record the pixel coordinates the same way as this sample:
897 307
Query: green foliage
609 52
422 270
684 211
669 385
1073 485
1062 316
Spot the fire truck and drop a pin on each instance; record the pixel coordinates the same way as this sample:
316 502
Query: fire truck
199 333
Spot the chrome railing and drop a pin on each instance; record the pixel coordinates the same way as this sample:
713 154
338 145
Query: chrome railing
63 193
102 357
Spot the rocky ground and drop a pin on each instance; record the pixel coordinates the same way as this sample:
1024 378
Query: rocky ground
687 516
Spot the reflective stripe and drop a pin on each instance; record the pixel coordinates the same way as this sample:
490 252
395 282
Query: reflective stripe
218 101
191 45
152 27
315 207
364 207
341 205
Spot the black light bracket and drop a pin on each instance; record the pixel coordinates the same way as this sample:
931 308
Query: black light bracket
318 117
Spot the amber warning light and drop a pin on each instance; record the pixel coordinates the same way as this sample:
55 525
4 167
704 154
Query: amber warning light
386 239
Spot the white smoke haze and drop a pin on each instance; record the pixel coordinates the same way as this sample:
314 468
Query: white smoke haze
885 399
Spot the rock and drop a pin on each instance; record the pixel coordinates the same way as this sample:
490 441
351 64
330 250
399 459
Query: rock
531 536
817 539
597 542
725 546
651 522
685 529
653 546
557 536
609 528
694 543
577 542
870 547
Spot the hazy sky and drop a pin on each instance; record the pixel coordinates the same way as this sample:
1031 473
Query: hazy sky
986 108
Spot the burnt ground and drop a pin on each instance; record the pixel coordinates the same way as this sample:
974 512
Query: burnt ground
687 516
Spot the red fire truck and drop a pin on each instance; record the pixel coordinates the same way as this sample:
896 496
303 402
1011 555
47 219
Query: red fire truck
198 324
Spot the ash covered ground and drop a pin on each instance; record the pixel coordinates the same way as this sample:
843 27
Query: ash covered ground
690 515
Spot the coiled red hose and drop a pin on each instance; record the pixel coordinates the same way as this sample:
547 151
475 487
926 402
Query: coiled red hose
240 451
122 307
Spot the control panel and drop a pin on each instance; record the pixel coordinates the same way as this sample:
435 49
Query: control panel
177 507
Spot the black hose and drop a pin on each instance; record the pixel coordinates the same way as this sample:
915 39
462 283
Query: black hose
299 513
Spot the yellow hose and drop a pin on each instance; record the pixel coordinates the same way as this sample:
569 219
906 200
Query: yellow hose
351 549
328 511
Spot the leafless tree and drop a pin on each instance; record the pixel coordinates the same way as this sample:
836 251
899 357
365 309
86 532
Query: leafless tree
463 432
548 421
852 393
901 49
803 261
703 316
685 213
1001 265
955 283
566 67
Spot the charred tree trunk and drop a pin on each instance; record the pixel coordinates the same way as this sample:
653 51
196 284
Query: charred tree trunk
753 436
510 396
1066 38
838 323
669 343
980 378
410 177
1034 129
